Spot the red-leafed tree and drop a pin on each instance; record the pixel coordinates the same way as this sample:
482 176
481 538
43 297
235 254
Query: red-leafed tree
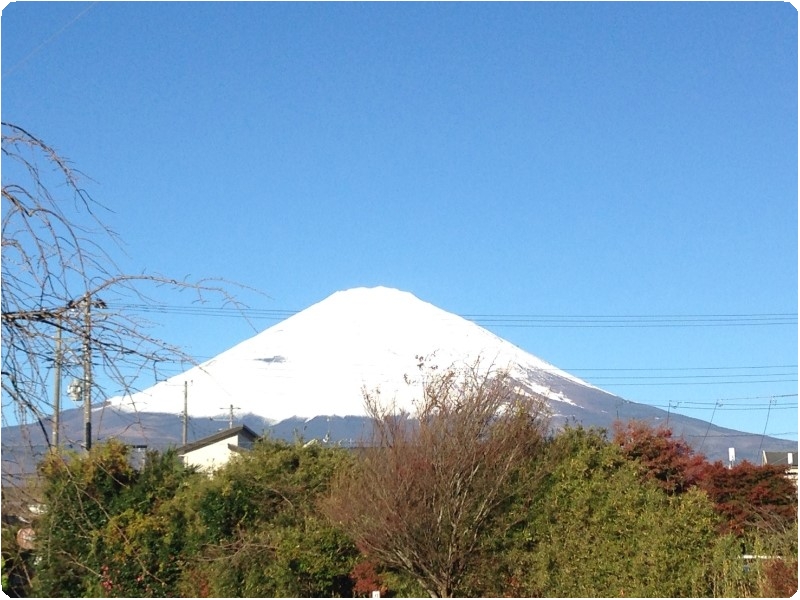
746 496
366 580
751 497
758 504
670 462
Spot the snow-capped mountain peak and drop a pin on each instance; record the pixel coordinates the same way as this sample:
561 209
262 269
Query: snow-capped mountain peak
319 361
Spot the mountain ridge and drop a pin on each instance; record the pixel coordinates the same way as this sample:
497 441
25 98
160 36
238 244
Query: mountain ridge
304 378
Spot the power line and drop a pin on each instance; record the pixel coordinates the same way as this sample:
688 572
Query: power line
616 377
719 401
625 377
746 398
576 370
686 368
722 407
629 316
766 421
513 320
52 37
664 383
708 429
733 435
628 321
211 311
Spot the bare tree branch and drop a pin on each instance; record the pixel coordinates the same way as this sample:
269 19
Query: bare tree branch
56 257
426 488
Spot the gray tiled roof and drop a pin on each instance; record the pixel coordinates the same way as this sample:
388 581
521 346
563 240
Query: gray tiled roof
220 435
779 458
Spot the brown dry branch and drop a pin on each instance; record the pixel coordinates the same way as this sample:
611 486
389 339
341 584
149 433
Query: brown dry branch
428 485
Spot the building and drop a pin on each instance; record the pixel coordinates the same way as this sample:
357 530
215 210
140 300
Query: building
786 459
212 452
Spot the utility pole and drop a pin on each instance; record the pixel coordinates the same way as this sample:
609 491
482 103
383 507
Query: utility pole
87 372
185 416
57 388
230 418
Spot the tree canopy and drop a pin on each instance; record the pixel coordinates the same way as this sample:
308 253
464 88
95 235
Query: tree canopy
484 506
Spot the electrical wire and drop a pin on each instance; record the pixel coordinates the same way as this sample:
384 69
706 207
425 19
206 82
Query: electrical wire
52 37
512 320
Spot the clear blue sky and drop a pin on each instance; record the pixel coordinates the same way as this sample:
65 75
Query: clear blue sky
536 159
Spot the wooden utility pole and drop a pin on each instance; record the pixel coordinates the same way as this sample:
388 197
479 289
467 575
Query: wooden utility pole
230 418
185 412
57 388
87 373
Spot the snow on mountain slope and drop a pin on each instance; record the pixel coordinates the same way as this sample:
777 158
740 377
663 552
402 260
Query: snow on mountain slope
318 361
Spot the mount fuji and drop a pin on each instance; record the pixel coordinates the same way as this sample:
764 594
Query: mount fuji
305 377
319 361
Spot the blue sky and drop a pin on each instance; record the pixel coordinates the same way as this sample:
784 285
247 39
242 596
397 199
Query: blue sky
582 160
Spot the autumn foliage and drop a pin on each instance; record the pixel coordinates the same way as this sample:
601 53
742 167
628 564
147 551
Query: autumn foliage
670 462
751 497
745 496
753 503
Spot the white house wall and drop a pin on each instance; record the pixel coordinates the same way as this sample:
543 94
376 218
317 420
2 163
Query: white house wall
211 457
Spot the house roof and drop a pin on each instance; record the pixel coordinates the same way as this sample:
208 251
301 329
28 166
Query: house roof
778 458
219 436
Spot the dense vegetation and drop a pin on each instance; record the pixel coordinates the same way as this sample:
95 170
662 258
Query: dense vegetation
583 516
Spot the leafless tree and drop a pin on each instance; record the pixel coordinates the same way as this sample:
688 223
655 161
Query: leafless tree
428 485
60 283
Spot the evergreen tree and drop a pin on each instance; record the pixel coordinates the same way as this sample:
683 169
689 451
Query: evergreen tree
109 529
260 531
594 528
